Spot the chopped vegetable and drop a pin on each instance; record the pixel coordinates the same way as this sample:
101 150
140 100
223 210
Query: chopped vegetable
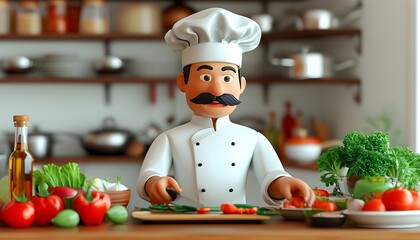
370 156
68 175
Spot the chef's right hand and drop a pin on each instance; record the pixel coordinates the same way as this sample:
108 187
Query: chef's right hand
156 189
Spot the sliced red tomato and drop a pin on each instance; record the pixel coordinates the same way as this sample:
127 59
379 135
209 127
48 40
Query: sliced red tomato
328 206
374 204
203 210
397 199
297 201
321 192
228 208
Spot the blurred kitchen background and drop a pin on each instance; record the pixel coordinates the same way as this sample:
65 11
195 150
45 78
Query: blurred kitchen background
366 82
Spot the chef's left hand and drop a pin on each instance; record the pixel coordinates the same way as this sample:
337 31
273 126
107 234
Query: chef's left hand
286 187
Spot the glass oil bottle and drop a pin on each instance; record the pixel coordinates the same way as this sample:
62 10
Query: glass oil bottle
20 160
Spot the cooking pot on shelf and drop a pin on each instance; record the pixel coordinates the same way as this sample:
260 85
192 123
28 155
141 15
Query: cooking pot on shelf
39 143
109 140
17 65
321 19
311 65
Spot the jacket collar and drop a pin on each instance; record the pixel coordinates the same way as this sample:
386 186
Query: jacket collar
206 122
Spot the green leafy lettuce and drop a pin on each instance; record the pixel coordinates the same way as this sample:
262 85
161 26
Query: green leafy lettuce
68 175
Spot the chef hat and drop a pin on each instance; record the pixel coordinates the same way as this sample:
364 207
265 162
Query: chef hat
213 35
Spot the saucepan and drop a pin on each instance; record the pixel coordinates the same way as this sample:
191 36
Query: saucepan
311 65
109 65
320 18
39 143
17 65
109 140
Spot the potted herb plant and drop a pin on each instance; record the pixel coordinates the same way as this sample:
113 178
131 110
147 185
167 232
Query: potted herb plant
371 158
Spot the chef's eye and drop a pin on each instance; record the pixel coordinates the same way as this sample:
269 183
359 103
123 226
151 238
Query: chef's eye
227 78
205 77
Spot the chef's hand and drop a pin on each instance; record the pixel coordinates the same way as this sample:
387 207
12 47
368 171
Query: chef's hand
156 189
286 187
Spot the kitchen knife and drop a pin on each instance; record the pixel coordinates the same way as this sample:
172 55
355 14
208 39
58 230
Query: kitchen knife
178 199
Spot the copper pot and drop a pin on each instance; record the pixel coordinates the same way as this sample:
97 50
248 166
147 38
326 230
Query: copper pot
174 13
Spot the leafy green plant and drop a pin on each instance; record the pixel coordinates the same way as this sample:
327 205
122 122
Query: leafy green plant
370 156
67 175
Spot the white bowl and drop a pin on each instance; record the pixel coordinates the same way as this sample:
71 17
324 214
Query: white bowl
303 153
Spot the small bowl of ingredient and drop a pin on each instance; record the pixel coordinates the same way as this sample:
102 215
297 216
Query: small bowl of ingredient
303 148
326 219
118 193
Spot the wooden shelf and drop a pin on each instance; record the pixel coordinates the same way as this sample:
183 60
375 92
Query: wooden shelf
90 159
288 34
19 79
294 34
125 159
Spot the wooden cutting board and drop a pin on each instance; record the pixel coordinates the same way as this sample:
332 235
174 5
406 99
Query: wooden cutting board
194 217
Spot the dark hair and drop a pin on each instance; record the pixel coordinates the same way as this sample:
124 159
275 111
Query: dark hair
187 70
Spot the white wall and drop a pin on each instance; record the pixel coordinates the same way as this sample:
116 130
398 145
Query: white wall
383 68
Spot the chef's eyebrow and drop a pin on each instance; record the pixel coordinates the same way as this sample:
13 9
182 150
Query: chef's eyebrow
205 67
225 68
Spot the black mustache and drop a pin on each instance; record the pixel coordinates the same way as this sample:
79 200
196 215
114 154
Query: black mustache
225 99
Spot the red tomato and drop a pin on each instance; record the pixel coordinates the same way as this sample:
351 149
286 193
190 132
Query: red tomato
46 208
228 208
397 199
18 214
416 199
375 204
321 192
325 205
288 205
203 210
297 201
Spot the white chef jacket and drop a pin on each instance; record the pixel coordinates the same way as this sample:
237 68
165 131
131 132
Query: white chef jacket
211 164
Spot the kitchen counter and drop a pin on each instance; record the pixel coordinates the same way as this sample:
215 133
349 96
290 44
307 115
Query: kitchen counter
275 228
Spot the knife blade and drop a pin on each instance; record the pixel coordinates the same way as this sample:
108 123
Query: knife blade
178 199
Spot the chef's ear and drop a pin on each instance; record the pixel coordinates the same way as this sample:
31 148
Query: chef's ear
243 84
180 82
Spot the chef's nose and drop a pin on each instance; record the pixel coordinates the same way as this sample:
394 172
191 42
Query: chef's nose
217 88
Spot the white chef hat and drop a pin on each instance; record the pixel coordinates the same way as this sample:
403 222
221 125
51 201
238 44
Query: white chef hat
213 35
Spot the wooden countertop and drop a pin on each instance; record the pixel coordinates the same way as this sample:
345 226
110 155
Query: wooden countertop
276 228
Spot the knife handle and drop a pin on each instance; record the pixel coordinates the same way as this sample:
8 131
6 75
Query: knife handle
172 193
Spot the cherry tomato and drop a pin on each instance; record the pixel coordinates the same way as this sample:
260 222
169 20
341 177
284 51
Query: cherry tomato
375 204
297 201
203 210
397 199
325 205
416 199
18 214
228 208
321 192
47 208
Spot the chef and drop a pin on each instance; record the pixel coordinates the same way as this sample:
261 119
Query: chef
210 155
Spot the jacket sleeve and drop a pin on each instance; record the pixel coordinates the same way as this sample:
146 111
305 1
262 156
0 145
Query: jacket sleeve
157 162
267 167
